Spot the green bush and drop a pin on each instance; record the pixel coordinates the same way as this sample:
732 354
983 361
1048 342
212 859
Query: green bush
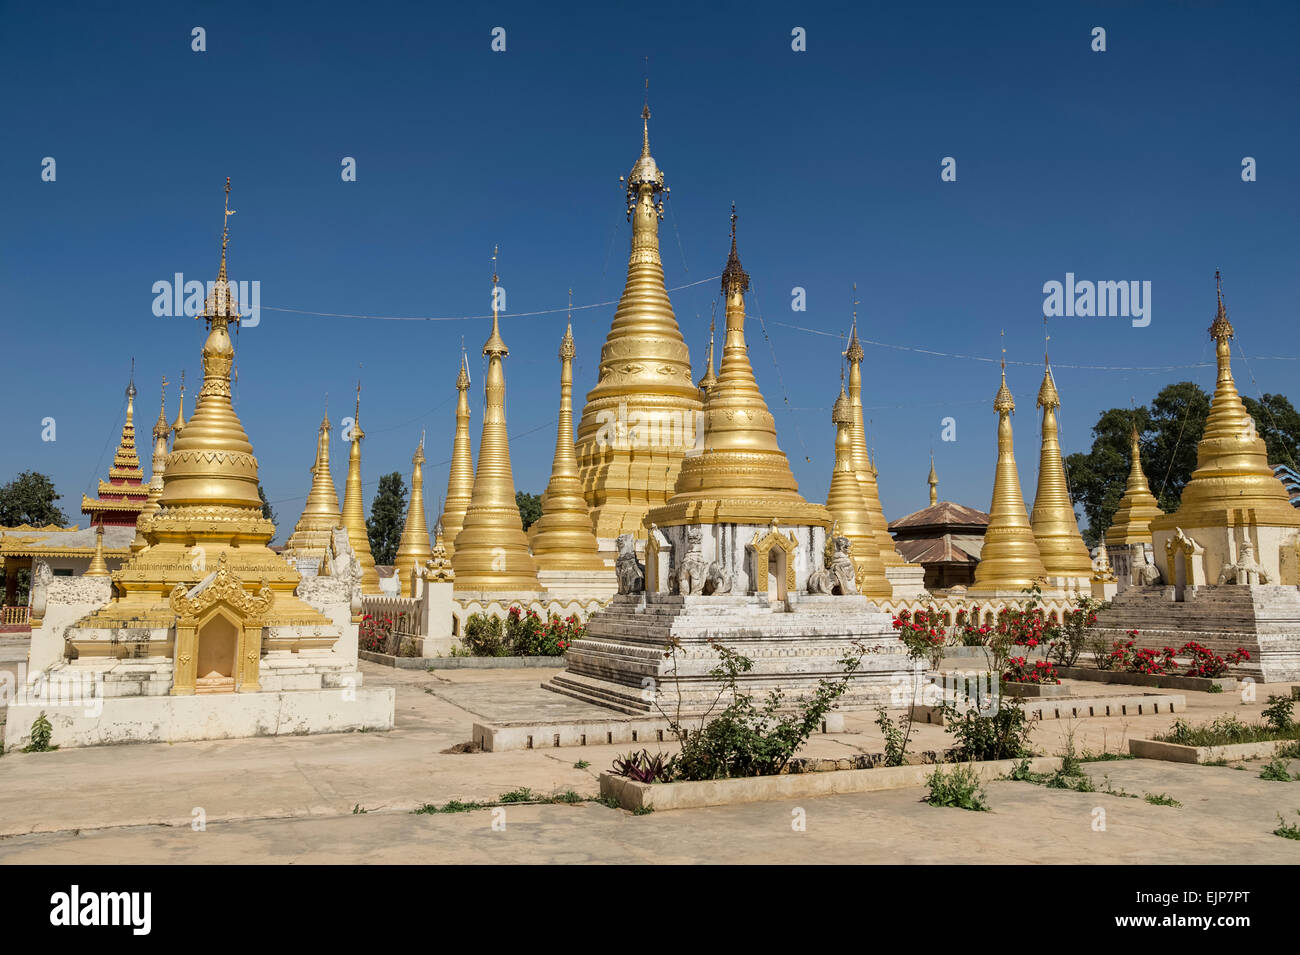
40 736
959 789
1002 735
1278 713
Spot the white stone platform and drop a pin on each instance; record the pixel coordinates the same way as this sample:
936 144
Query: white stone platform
171 719
794 644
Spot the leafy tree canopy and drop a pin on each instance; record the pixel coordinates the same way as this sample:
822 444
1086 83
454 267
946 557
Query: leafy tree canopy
29 499
387 515
530 507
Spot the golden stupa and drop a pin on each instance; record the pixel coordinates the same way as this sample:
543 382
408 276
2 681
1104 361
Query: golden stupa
708 379
311 537
1009 559
861 461
161 430
1056 529
354 510
742 476
1137 508
492 549
849 510
98 566
1232 471
413 550
460 479
562 538
644 383
209 525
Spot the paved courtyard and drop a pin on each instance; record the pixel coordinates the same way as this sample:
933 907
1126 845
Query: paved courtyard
298 799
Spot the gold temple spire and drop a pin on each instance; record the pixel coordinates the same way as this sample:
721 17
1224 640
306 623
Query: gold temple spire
1232 470
492 549
460 478
161 430
849 510
562 538
1137 508
1009 559
98 566
179 422
126 460
1056 529
742 476
644 376
933 481
413 549
311 536
709 379
861 459
354 510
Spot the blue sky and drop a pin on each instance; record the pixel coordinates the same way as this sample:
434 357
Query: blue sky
1122 165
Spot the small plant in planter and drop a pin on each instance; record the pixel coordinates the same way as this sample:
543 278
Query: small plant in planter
1019 670
1205 663
644 768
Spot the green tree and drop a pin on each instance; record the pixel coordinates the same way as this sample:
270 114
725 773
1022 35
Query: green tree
387 515
29 499
530 507
267 510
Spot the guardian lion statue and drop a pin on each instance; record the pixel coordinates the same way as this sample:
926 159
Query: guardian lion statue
630 571
841 577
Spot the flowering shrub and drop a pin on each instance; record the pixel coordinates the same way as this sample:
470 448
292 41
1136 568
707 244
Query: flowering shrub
1020 670
1073 632
523 634
1209 664
969 632
375 632
923 633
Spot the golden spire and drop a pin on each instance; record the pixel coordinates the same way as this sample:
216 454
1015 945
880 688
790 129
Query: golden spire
1009 559
311 536
179 423
742 476
562 537
644 379
126 460
212 463
98 566
159 466
861 460
709 379
492 549
1056 529
849 510
413 549
1137 508
1232 468
354 508
933 481
460 479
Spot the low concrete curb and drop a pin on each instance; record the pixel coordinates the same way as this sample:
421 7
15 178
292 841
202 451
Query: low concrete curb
1165 682
726 792
1177 753
1142 704
618 728
460 663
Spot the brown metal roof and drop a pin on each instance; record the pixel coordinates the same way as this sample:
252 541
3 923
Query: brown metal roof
945 514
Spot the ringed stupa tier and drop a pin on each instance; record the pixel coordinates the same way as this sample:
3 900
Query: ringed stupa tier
354 509
122 497
492 549
1137 508
209 516
861 461
642 415
460 478
161 431
849 510
742 476
562 538
313 533
1009 559
413 550
1056 529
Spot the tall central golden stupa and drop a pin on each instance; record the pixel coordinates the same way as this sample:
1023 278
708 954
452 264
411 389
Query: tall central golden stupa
642 415
460 477
209 519
1056 529
742 476
866 472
